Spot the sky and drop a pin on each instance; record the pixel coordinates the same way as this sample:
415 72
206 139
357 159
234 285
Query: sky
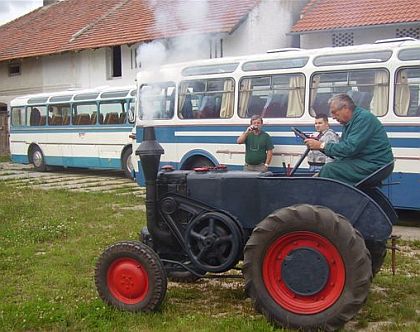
11 9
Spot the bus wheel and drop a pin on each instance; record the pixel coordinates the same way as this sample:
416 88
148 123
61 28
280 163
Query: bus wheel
37 158
130 276
306 267
127 163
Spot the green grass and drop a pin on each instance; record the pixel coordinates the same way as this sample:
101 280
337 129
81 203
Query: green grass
49 244
4 158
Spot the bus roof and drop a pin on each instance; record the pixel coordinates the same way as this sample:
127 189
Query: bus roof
76 94
177 71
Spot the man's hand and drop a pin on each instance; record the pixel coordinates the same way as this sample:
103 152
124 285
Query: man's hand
250 129
313 144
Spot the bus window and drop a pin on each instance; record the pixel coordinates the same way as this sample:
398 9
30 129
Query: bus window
59 114
157 101
369 89
274 96
84 114
111 112
206 98
37 115
407 92
17 116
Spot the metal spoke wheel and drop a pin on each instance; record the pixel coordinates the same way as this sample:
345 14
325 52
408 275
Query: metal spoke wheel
37 159
214 242
127 163
130 276
306 267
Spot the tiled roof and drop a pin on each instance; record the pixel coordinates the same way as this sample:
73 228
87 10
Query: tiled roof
72 25
321 15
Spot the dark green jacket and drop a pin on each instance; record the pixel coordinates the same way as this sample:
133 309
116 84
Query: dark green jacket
363 148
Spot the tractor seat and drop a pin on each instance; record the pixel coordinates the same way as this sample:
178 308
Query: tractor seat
376 178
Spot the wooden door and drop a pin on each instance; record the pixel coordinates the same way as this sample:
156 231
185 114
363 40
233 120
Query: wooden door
4 134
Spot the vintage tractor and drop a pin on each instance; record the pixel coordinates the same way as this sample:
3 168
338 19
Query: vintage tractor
309 245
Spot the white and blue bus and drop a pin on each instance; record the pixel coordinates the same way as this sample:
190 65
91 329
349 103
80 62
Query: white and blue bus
87 128
200 108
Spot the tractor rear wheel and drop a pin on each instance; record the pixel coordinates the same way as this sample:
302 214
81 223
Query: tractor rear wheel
306 267
130 276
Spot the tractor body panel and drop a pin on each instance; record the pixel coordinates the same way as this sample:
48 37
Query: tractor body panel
250 197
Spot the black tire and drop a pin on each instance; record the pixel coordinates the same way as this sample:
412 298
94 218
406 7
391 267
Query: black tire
127 164
130 276
324 289
377 251
37 159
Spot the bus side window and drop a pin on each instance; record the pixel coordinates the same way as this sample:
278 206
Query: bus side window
17 116
207 108
272 96
37 115
186 107
407 92
255 106
34 117
276 107
320 104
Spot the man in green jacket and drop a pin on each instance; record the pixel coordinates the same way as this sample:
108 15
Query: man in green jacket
363 148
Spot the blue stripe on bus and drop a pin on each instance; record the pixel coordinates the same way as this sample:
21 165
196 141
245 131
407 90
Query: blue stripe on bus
167 135
84 162
20 159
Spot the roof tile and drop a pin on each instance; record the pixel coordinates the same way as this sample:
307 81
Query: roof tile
340 14
72 25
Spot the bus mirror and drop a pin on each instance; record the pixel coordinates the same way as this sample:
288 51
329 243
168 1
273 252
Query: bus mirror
131 115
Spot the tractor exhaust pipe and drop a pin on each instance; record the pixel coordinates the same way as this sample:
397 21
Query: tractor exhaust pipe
149 152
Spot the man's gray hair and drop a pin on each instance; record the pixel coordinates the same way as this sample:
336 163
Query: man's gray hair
256 117
342 100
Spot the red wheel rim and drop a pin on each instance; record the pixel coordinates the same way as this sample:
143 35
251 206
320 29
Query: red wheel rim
128 281
287 298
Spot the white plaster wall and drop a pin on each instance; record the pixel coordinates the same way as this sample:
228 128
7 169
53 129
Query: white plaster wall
266 28
83 69
361 36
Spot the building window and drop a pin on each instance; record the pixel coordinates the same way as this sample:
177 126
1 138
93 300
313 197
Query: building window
216 48
114 65
342 39
116 61
14 69
134 53
408 32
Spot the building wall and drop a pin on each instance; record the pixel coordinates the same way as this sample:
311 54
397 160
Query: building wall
266 28
360 36
83 69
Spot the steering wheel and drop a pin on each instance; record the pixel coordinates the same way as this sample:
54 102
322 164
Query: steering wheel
300 133
303 136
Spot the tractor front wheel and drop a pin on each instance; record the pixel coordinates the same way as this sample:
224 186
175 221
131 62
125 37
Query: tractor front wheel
306 267
130 276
